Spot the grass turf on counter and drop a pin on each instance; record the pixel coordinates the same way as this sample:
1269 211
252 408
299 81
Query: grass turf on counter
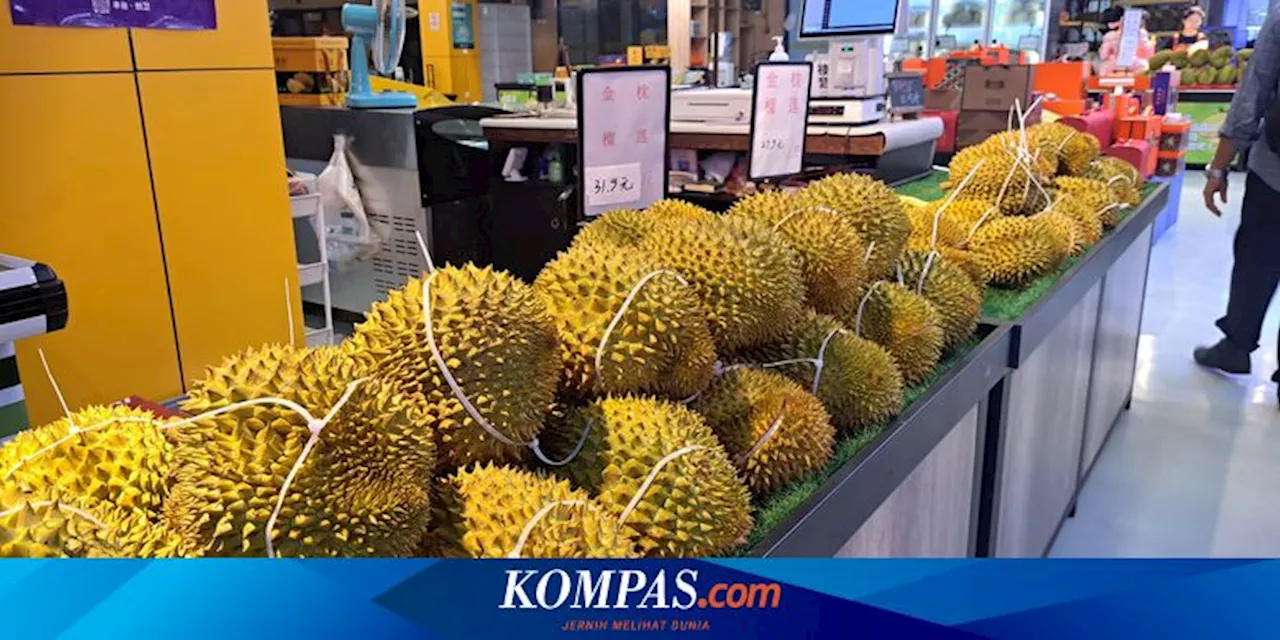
775 508
1007 305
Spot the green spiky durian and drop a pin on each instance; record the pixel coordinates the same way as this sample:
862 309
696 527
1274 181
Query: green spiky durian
1067 239
623 228
118 457
1075 149
1243 55
499 344
1094 195
671 209
482 512
1199 58
1180 59
1221 56
949 288
997 177
1160 59
363 489
1189 77
903 322
1016 250
747 278
951 232
1207 75
744 405
1088 225
660 345
696 505
1121 177
55 527
969 213
831 252
1226 75
968 261
874 210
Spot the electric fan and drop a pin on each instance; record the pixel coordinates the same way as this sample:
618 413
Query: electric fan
379 28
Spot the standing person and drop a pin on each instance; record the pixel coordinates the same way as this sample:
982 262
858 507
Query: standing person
1256 271
1191 35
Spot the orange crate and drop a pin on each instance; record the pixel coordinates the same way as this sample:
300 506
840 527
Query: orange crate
1066 107
1063 79
310 54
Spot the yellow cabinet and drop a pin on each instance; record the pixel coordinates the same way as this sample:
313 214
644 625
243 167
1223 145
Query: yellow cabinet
60 49
241 41
77 197
221 191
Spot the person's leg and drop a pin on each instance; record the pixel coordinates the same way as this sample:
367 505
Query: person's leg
1254 277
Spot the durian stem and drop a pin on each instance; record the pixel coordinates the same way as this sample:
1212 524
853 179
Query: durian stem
542 513
653 474
768 434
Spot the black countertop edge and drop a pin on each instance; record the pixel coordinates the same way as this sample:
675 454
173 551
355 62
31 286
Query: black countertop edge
1043 317
846 500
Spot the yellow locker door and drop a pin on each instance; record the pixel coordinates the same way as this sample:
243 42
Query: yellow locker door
60 49
217 157
78 198
241 41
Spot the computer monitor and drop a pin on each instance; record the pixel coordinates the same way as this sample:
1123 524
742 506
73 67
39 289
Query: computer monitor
848 18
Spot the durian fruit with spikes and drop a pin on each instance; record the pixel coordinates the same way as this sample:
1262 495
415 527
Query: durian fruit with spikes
695 505
56 526
775 431
362 490
998 177
118 456
1065 235
678 210
950 231
1075 149
1121 177
1088 224
874 210
968 261
860 384
903 322
1016 250
620 228
1035 151
499 343
969 213
748 280
949 289
831 252
482 512
1093 195
661 343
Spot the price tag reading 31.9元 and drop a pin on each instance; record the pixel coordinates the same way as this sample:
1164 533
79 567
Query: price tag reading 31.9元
615 184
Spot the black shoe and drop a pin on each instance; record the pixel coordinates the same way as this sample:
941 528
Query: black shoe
1224 357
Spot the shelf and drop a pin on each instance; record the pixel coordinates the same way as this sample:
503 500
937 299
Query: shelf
319 337
305 206
309 274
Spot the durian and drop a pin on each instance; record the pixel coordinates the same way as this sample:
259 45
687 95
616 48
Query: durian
951 231
482 512
903 322
1160 59
499 343
678 210
831 251
1000 175
1207 75
1067 238
1016 250
118 457
1200 58
748 280
774 430
860 385
1180 59
661 343
1121 177
695 506
362 490
1088 225
1075 149
620 228
968 261
1093 195
949 288
1189 77
56 527
874 210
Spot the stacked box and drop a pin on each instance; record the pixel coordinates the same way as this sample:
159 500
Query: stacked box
990 93
311 71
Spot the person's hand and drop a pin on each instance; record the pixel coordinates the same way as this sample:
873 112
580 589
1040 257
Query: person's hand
1218 187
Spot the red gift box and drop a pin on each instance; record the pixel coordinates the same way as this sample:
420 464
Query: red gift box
1099 122
1146 128
1139 153
947 143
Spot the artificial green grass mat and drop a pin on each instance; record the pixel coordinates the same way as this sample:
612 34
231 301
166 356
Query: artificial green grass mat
774 508
927 189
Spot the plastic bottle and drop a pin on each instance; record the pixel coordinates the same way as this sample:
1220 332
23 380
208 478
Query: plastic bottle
779 53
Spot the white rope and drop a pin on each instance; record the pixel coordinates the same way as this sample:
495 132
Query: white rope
812 207
1062 145
426 255
870 246
617 317
60 506
56 388
924 273
528 528
1119 177
977 225
821 361
1004 187
582 440
768 435
315 427
1104 210
857 320
288 309
653 474
937 216
901 280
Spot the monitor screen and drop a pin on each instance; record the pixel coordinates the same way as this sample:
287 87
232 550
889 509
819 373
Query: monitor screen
845 18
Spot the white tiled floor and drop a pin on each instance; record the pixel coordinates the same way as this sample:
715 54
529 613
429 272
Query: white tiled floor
1194 469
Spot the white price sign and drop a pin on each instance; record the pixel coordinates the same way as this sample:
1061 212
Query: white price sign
779 119
1130 38
617 184
622 124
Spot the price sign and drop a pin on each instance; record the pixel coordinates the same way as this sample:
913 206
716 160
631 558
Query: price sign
906 92
623 116
779 119
1130 38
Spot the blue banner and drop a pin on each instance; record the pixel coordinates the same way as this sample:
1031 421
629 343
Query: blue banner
736 599
143 14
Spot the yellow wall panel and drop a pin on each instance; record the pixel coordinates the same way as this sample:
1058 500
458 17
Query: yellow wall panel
242 40
217 156
77 197
60 50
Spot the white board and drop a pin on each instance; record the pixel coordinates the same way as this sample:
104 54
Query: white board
779 117
622 124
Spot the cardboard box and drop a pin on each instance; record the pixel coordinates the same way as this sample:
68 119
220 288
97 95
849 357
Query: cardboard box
1066 80
950 120
971 137
1145 128
1099 122
1066 107
997 88
1175 136
942 99
993 120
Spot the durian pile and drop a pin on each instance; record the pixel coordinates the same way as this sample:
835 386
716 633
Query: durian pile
643 397
1022 203
1204 67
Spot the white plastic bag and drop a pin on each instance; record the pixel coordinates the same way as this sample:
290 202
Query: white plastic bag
345 220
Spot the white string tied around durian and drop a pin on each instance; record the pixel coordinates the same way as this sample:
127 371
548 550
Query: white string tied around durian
426 255
924 273
1062 145
617 317
857 318
653 475
870 247
1114 205
819 363
517 550
60 506
937 216
766 437
977 225
465 401
813 207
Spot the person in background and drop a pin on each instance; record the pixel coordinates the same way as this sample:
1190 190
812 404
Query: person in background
1256 270
1109 50
1191 35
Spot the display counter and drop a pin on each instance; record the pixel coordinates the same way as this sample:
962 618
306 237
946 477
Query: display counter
1072 358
